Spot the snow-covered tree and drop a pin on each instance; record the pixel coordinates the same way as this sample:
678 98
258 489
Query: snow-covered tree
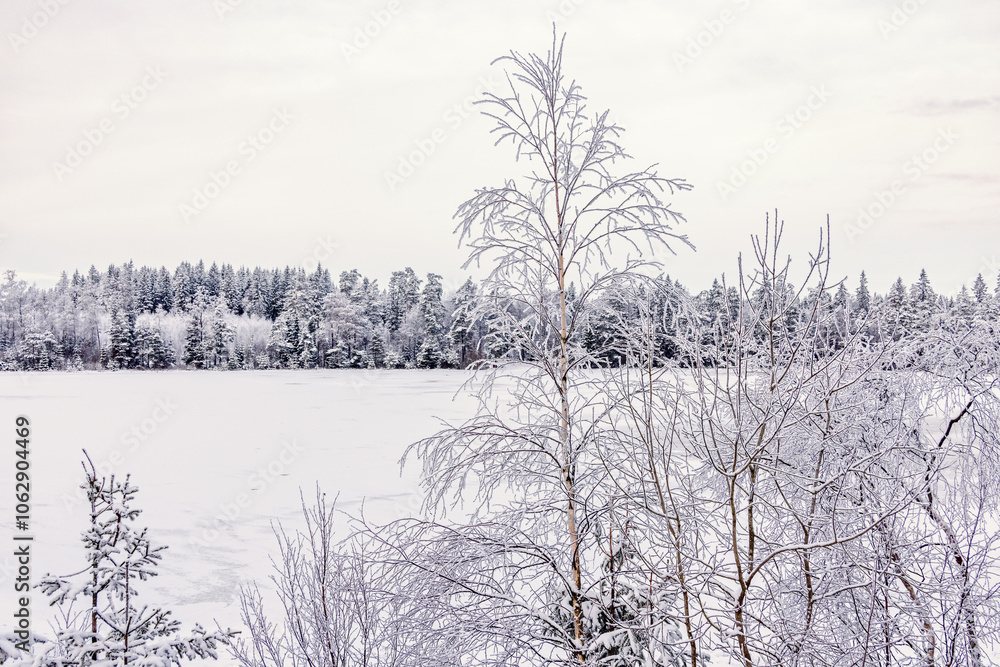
194 340
561 223
923 301
121 340
346 603
862 296
150 349
979 289
433 347
461 332
101 619
805 504
221 335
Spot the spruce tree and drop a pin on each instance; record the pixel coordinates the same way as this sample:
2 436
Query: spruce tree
222 335
194 342
713 312
213 281
103 622
896 299
161 355
164 290
350 285
924 302
431 353
979 289
964 309
841 298
120 341
863 297
460 333
76 362
376 349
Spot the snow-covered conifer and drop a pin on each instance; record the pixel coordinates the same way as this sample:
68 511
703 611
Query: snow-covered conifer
102 620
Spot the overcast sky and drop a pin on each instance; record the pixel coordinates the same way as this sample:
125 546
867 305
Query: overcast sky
116 116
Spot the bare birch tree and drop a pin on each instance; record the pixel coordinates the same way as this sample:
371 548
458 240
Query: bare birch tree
345 602
808 503
574 219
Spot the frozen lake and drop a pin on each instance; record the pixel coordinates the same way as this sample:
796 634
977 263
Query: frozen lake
217 457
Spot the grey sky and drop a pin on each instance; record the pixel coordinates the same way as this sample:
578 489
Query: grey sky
309 129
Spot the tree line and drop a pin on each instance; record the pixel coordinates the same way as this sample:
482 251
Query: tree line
225 318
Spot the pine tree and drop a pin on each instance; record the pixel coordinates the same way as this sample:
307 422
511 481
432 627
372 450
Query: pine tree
350 285
923 301
144 345
164 292
213 281
194 341
979 289
103 623
841 298
309 354
120 341
896 299
161 355
713 312
229 290
432 352
376 349
222 335
76 362
145 290
293 341
863 297
965 308
460 333
403 294
184 287
280 339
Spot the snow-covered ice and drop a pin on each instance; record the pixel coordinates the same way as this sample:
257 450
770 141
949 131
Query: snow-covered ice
217 457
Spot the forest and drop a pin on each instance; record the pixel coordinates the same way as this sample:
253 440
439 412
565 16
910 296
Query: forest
229 319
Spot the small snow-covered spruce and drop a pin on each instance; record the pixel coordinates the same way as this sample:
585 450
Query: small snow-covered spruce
100 619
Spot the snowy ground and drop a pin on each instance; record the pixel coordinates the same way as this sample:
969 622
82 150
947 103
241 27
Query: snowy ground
217 457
